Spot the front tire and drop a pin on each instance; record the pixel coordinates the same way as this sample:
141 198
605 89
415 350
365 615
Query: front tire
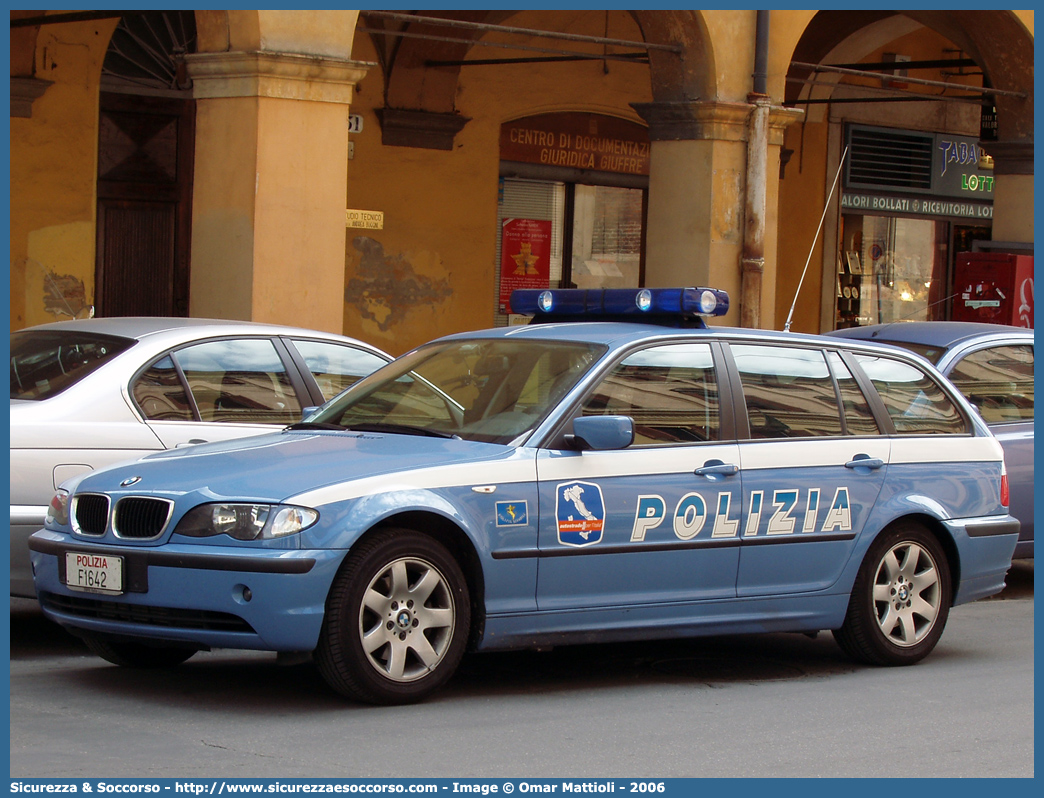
137 655
397 620
900 600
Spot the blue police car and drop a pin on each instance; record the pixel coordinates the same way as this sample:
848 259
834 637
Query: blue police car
639 476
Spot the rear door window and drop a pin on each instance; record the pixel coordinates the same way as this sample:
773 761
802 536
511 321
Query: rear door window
239 381
789 392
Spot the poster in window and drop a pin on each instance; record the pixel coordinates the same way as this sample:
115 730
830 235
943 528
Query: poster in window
525 256
852 260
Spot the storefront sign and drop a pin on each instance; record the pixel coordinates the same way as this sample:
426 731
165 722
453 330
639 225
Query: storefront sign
577 141
364 220
914 162
881 203
525 256
958 169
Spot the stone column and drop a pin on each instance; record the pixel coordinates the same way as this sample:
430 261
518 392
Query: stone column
697 185
270 186
1012 190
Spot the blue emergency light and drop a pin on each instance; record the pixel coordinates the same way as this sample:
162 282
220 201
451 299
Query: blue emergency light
673 306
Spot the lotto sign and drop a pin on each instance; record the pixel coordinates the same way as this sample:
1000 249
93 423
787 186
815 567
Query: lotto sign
580 513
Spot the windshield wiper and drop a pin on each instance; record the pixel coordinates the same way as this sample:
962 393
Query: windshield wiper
401 429
316 425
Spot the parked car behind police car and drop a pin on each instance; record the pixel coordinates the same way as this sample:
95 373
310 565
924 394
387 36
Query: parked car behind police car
547 484
94 392
992 365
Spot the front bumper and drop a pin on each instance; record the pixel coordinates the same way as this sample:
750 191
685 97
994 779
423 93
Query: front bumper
212 596
24 521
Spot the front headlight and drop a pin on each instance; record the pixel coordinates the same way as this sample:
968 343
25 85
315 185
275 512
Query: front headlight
245 521
58 509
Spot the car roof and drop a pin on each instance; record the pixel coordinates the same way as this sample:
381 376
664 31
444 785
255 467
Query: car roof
140 327
618 334
942 334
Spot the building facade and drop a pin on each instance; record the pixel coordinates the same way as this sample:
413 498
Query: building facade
392 175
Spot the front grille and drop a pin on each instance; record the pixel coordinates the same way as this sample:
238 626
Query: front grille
98 609
91 511
137 517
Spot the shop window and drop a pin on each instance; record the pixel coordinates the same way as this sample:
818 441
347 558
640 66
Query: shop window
607 237
892 269
603 224
572 203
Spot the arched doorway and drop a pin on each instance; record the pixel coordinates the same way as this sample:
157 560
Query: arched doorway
924 128
146 136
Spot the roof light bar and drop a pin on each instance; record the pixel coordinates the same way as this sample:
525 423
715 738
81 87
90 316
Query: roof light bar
594 303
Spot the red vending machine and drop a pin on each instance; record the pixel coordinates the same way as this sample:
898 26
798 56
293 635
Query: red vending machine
995 287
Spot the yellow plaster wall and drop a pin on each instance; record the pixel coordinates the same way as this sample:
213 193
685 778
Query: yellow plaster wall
54 175
439 236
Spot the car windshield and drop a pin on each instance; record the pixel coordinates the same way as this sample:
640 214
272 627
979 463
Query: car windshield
46 362
494 391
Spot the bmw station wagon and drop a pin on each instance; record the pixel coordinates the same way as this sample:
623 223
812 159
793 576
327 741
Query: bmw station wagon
641 476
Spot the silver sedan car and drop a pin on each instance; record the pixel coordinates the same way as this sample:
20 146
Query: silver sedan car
90 393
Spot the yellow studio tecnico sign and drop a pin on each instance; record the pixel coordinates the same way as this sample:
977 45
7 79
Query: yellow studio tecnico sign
364 220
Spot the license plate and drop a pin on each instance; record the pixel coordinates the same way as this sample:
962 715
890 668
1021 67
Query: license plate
94 573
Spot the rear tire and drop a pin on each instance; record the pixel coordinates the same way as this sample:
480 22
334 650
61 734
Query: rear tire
137 655
900 600
397 620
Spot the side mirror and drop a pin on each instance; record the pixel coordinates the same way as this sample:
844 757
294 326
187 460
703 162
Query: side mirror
601 433
307 411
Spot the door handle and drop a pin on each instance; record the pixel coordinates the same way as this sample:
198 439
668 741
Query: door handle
865 461
716 468
191 442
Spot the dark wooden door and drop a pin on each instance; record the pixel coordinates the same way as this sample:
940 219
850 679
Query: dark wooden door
145 149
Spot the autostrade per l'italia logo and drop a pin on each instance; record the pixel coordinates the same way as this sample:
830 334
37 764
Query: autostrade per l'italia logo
580 513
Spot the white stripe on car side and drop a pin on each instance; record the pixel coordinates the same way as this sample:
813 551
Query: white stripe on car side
756 455
518 468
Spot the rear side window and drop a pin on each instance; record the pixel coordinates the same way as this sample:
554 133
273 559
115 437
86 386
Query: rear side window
916 404
789 392
671 393
998 381
160 395
239 381
336 366
46 362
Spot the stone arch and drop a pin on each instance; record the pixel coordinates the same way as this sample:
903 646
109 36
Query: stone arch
410 84
690 75
327 33
997 40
